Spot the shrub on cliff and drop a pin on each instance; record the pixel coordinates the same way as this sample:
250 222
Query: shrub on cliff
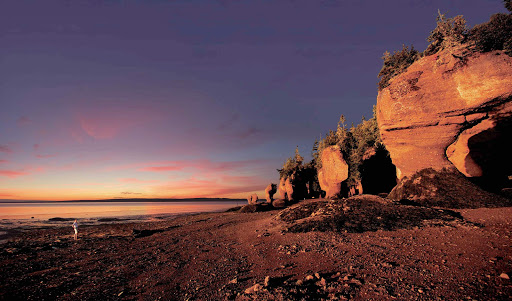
396 63
449 32
353 143
493 35
508 5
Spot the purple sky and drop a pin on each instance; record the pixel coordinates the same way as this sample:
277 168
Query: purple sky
103 99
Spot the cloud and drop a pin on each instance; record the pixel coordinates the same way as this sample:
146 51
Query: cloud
137 181
202 165
5 149
108 121
3 161
45 156
12 173
129 192
209 187
163 168
248 133
99 129
229 123
23 120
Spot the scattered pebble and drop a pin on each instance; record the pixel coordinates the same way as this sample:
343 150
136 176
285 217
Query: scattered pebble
504 276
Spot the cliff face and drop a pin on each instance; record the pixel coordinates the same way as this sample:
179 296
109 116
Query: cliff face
449 110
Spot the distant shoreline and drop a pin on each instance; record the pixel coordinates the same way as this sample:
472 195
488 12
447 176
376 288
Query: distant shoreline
123 200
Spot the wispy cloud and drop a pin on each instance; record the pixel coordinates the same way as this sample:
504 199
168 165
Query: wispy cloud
203 165
164 168
23 120
5 149
137 181
45 156
250 132
12 173
229 123
209 187
3 161
108 122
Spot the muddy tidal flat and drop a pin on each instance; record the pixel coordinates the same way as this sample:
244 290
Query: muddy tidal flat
254 256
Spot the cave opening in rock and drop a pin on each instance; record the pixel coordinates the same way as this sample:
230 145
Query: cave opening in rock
378 173
490 150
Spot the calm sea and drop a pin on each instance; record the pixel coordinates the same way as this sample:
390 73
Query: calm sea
94 210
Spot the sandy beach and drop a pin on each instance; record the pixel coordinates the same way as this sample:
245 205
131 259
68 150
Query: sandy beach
246 256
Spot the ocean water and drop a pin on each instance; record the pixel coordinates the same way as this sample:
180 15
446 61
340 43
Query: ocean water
45 213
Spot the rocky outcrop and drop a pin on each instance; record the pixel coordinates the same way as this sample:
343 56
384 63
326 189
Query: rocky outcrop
285 188
252 199
361 213
270 191
333 172
444 188
450 110
293 188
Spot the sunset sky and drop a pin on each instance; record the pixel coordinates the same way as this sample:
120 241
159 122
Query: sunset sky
140 99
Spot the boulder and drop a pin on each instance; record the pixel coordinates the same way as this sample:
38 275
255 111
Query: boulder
333 172
279 203
450 110
270 191
445 188
252 199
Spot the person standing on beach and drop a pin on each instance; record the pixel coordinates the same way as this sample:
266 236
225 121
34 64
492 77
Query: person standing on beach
75 227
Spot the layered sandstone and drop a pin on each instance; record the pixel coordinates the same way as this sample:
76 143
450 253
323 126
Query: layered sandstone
333 172
449 110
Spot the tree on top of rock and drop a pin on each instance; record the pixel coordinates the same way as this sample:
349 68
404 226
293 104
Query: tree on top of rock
292 165
508 4
449 32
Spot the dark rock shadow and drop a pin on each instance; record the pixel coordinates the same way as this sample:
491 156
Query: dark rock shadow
364 213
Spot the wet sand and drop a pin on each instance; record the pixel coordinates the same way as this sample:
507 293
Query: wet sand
226 256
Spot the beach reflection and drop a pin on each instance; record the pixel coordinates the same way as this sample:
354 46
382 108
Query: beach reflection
42 211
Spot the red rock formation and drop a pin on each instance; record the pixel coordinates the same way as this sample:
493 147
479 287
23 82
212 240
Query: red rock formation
333 172
270 191
252 199
293 188
285 188
445 109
